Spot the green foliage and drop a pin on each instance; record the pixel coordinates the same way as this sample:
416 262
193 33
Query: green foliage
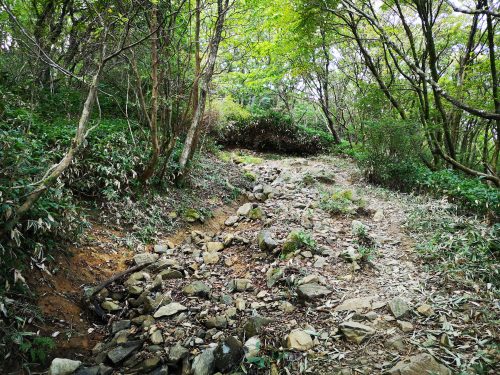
340 202
390 152
271 131
296 240
470 194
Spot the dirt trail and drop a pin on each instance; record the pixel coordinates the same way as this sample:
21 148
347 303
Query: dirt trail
345 295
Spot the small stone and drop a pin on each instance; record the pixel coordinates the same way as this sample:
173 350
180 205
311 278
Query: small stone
320 262
169 310
171 274
420 364
399 307
395 343
177 353
145 258
350 254
197 289
119 353
210 258
219 321
245 209
120 325
266 241
213 247
226 299
358 304
157 337
231 220
239 285
63 366
379 215
287 307
273 275
356 332
240 304
299 340
405 326
312 292
425 310
252 347
134 290
110 306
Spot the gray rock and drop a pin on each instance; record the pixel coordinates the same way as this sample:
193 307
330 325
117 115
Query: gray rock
157 337
171 274
120 325
203 364
420 364
245 209
210 258
228 354
169 310
145 258
110 306
310 292
266 241
356 332
105 370
252 347
119 353
226 299
177 353
63 366
399 307
231 220
197 289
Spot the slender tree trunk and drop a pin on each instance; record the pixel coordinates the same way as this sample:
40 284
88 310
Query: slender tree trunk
153 123
222 9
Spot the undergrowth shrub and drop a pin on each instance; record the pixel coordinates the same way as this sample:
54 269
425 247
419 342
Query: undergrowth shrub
272 132
390 152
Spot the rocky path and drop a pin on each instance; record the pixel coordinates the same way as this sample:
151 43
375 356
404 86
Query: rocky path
314 274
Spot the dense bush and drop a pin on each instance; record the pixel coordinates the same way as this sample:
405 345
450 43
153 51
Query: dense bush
273 132
390 152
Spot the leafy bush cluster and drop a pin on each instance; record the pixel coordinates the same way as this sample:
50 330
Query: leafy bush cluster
272 132
390 156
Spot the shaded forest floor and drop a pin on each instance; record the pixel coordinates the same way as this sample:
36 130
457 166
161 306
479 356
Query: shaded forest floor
334 286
